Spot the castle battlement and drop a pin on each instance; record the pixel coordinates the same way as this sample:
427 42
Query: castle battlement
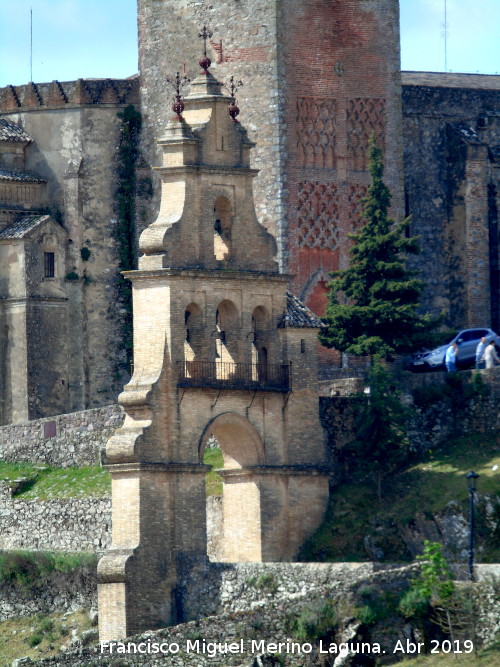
68 94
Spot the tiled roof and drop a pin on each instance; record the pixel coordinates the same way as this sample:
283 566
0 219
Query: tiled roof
24 176
22 226
298 315
12 132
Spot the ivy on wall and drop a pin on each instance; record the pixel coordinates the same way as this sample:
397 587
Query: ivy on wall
128 153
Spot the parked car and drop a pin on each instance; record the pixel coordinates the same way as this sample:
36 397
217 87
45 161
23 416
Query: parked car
467 340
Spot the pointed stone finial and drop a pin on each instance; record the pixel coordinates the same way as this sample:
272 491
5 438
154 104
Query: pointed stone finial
205 62
178 83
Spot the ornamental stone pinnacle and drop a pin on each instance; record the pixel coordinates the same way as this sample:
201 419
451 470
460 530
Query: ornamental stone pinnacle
232 88
178 83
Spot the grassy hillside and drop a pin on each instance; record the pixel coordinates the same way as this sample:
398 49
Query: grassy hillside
45 482
420 490
488 657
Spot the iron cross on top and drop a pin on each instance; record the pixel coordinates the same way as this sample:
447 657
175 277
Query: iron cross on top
205 34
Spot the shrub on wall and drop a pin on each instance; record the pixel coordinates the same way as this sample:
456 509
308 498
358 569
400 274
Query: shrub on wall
125 194
30 569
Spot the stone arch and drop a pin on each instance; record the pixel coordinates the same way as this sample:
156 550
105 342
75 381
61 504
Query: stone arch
239 440
223 222
242 449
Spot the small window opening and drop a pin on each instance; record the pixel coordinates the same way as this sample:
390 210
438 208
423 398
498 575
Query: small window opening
302 345
49 265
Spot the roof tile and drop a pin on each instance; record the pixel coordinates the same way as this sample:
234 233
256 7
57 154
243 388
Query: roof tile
22 226
11 132
298 315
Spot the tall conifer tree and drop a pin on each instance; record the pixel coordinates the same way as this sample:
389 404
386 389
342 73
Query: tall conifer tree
372 305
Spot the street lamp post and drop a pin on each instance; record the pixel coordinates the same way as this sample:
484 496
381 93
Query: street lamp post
471 483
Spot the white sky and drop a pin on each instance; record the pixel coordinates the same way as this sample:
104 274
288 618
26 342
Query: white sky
98 38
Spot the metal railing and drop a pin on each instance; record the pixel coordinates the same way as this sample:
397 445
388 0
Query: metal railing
228 375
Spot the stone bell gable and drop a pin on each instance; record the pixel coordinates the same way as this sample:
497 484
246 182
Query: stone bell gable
222 351
207 218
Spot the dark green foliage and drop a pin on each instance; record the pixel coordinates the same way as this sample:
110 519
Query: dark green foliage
413 604
53 211
381 445
35 639
374 605
128 152
85 254
266 582
30 569
372 307
72 275
314 621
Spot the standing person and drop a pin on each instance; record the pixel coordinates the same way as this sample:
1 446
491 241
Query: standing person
481 347
490 355
450 359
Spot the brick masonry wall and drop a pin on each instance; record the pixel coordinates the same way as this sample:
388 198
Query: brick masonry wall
340 73
65 440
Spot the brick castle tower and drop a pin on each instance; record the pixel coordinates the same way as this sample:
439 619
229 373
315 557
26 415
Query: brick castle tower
319 77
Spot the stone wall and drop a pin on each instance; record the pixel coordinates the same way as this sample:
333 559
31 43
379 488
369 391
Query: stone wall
215 588
69 524
75 132
451 132
74 439
58 592
253 613
432 423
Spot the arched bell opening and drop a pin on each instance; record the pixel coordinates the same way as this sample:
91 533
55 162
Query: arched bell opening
261 322
223 221
194 340
227 336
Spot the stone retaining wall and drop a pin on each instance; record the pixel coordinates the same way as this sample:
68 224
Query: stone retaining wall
70 524
249 615
65 440
431 425
58 593
215 588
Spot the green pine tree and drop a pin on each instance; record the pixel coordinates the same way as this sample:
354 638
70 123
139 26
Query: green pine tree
372 306
381 445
